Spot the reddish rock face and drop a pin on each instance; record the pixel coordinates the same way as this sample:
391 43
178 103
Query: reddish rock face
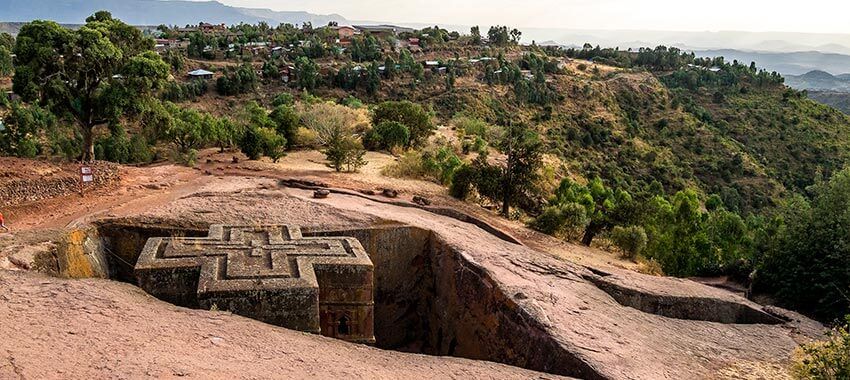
270 273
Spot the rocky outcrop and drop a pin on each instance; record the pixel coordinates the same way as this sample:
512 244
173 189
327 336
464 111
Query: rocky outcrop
444 286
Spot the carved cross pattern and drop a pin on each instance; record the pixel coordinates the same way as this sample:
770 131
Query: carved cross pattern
271 273
250 253
256 252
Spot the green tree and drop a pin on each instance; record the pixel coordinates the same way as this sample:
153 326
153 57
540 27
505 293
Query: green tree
409 64
604 207
225 133
807 269
498 35
239 81
523 149
475 32
252 143
407 113
22 128
307 73
94 74
283 99
389 68
175 59
387 135
364 49
450 77
273 144
372 79
6 67
286 123
631 240
344 152
188 129
7 41
270 70
257 116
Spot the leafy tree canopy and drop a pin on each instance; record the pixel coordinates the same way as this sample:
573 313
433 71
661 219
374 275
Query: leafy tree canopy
91 75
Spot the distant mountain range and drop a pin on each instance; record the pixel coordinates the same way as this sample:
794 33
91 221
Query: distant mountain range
817 80
789 63
152 12
823 87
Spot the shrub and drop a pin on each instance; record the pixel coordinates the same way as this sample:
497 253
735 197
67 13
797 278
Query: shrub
827 360
409 165
463 182
273 144
478 128
306 138
115 147
631 240
441 166
352 102
387 135
567 220
175 91
140 151
344 152
283 99
251 143
187 158
550 222
22 128
327 119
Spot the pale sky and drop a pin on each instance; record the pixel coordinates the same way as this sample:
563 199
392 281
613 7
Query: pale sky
815 16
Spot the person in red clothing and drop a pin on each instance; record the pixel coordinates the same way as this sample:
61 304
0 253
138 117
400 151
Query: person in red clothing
3 223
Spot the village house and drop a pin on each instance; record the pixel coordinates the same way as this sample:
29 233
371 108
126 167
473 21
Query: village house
163 44
411 44
345 33
287 73
200 74
383 30
211 28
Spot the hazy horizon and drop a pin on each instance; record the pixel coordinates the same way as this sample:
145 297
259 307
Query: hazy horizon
818 16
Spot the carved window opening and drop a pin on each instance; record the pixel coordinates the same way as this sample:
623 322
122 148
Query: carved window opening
343 326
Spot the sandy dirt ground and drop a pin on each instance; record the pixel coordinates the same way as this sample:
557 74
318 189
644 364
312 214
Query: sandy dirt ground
53 328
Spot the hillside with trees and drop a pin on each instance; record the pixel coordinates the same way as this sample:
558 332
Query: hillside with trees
691 166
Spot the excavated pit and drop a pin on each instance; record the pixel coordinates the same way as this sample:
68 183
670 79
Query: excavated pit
429 298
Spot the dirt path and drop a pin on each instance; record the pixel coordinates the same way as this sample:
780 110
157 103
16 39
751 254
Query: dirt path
139 187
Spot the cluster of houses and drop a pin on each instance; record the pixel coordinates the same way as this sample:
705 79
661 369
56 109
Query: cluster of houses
343 35
346 33
288 72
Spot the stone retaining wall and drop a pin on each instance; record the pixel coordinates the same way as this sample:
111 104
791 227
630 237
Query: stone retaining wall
20 191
